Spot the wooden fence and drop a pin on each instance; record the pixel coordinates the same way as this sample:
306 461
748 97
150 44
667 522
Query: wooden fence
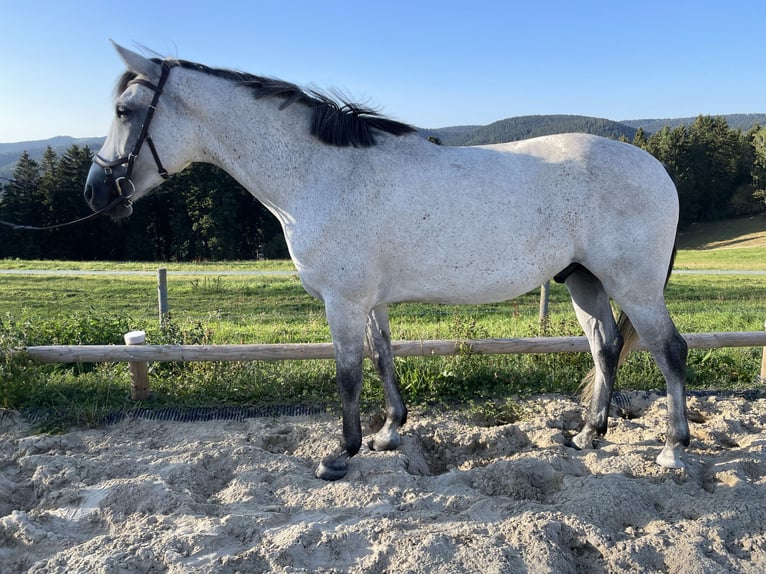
137 354
303 351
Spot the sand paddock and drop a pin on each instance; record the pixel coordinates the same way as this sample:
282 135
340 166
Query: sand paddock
239 496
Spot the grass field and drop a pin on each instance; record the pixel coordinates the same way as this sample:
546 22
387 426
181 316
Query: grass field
727 234
737 244
220 306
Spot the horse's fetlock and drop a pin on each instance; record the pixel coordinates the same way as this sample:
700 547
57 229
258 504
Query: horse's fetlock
352 447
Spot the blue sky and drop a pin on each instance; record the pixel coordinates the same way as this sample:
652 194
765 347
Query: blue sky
431 63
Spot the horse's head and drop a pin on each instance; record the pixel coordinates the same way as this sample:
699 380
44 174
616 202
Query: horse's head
141 148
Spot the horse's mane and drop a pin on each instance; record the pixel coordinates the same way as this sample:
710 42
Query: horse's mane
334 120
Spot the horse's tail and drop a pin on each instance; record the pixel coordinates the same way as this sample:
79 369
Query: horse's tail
630 339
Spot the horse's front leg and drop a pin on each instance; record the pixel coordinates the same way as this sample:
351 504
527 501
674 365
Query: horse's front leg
379 342
348 340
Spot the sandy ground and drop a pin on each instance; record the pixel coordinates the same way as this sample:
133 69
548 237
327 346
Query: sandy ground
239 496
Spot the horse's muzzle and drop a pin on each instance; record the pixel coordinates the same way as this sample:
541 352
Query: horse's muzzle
109 190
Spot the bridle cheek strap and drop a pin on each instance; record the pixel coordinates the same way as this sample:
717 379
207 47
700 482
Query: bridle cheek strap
160 169
143 136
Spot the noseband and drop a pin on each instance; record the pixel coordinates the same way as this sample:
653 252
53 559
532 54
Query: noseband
120 194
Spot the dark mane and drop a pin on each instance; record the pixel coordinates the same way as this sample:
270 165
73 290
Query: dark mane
334 120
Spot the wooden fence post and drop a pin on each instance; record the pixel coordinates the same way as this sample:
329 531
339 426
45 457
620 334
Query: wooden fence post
139 370
544 297
162 294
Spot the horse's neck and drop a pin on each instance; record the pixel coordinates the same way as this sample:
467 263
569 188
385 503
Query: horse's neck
268 150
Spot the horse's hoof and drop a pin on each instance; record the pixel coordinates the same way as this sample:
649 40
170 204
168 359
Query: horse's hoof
582 441
669 458
332 469
385 441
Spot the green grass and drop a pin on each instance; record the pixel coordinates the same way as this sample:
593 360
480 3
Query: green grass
236 309
743 259
735 244
223 308
726 234
207 266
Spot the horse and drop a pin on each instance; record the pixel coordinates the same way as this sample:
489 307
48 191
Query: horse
375 214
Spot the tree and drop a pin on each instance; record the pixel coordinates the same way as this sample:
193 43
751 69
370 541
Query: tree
217 218
639 140
48 175
203 213
712 166
743 199
65 203
757 137
713 152
21 204
670 147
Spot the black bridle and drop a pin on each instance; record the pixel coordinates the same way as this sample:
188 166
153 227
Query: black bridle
120 195
116 184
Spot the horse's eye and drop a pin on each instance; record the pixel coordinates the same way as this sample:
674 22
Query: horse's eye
122 112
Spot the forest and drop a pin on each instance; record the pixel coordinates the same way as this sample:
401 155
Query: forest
199 214
203 214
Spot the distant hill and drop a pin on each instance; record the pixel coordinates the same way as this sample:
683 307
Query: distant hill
10 152
522 127
736 122
450 135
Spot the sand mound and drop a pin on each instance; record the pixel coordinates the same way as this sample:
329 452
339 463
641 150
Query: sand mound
224 496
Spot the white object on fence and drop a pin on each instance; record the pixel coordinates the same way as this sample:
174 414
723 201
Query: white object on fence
139 370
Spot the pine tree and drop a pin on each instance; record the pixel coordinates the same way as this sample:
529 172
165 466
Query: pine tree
66 203
21 204
639 139
757 137
48 177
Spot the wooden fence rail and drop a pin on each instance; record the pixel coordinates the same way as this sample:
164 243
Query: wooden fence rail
302 351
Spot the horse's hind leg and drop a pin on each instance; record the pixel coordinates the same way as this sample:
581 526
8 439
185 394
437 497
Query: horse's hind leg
669 350
379 342
594 313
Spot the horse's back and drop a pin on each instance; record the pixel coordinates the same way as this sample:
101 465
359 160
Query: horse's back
488 223
613 196
596 159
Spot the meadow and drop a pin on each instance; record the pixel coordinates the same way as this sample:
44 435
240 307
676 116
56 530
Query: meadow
216 303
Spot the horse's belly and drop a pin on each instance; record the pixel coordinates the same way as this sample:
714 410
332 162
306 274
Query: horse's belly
470 283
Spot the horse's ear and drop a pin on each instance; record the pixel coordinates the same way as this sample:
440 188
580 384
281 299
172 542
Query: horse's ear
137 63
